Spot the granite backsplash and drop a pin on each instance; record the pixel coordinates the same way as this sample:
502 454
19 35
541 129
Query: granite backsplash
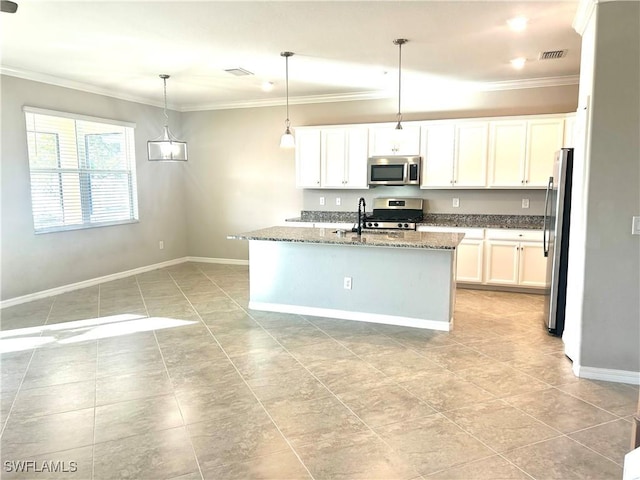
533 222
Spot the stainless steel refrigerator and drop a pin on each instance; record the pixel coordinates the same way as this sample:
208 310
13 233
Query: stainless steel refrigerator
557 213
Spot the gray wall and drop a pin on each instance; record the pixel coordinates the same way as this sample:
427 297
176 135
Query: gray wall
611 302
239 179
32 263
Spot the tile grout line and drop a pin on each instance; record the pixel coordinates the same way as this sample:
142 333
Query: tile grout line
164 364
24 375
238 371
95 399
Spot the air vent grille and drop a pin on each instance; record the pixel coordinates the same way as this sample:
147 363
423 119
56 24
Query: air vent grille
552 54
239 72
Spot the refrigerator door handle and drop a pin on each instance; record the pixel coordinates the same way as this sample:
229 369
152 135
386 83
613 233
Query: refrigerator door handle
545 243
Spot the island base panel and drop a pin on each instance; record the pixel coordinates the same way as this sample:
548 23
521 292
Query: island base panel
398 286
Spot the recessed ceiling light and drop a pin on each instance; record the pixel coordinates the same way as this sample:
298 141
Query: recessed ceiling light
518 24
518 63
267 86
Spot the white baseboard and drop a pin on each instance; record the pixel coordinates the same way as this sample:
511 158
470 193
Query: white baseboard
606 374
347 315
224 261
114 276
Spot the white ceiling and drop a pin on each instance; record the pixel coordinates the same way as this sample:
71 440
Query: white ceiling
342 48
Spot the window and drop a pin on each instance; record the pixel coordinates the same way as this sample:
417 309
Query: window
82 171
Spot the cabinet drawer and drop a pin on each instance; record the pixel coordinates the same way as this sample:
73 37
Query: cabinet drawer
469 233
514 235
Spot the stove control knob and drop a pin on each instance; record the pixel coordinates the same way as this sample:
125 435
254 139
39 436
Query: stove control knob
369 224
399 225
375 224
406 225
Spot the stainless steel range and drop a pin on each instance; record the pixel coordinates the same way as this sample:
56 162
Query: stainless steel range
395 213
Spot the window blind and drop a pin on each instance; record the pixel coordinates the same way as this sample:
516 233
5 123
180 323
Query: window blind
82 171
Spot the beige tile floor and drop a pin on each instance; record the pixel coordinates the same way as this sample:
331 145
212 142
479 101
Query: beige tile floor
169 375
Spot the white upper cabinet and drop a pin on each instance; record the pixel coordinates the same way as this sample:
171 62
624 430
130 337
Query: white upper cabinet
454 155
308 158
521 152
544 139
508 146
437 143
343 158
386 140
331 157
471 145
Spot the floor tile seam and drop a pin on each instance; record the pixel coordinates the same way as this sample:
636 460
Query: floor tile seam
24 375
246 384
175 397
589 403
620 462
557 434
95 410
314 376
471 462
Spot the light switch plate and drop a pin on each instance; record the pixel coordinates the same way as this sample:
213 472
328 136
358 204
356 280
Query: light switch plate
456 202
525 203
635 226
338 201
321 200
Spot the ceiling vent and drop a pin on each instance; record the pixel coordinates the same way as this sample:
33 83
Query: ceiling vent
552 54
239 72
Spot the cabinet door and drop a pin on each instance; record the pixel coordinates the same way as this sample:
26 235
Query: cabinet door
507 149
501 266
357 153
469 261
389 141
532 268
308 158
437 144
333 155
470 169
544 139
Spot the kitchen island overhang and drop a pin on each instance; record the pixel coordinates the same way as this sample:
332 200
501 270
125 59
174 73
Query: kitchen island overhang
399 278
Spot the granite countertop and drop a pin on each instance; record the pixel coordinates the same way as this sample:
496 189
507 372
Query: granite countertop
454 220
398 239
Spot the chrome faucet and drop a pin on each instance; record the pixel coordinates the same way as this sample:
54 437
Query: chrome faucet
362 205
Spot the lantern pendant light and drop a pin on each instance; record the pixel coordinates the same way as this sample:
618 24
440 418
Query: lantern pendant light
287 140
166 148
399 42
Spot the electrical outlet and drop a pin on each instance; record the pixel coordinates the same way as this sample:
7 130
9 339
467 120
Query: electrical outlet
635 226
347 283
161 244
321 200
338 201
525 203
456 202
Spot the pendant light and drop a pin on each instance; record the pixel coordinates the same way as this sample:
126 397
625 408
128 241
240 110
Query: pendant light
287 140
399 42
166 148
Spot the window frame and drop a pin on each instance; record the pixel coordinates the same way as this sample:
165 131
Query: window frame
83 170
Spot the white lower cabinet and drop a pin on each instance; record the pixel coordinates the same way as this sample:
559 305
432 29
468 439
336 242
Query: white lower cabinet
514 257
469 255
501 257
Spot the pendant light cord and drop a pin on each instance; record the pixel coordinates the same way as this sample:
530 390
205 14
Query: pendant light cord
286 59
166 116
399 42
399 80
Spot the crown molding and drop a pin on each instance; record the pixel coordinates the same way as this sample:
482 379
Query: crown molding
83 87
272 102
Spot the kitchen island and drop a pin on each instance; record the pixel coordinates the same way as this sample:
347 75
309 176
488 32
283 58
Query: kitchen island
398 277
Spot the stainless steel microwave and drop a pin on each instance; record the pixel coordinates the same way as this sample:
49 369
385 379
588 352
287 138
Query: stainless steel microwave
394 170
